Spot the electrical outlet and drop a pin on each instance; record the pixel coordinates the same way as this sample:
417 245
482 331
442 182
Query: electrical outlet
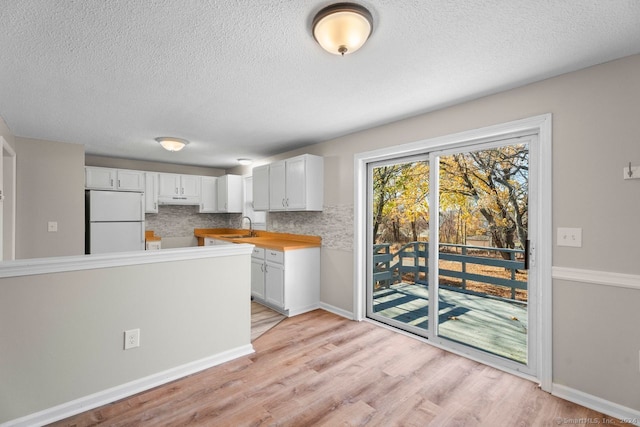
569 237
131 338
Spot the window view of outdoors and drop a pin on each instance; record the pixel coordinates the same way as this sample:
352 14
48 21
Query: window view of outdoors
483 225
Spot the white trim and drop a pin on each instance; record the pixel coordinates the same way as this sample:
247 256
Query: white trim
104 397
623 413
6 147
336 310
540 125
302 310
604 278
29 267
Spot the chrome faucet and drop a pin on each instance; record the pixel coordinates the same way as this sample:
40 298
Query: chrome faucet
250 225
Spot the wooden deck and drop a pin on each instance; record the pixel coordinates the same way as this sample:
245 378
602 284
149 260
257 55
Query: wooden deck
493 325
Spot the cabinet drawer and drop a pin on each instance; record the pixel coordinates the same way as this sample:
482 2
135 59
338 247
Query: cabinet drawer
258 253
275 256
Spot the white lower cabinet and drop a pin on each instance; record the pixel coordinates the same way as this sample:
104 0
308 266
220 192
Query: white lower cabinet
287 281
274 281
257 274
210 241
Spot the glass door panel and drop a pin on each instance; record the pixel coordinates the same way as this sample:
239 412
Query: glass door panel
399 224
482 284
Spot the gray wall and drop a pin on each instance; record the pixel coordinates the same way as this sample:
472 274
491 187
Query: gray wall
62 333
50 187
142 165
596 132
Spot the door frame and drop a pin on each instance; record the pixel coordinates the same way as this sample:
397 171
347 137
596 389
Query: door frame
542 254
8 224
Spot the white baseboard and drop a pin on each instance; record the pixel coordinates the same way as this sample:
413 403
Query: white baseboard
336 310
301 310
104 397
626 415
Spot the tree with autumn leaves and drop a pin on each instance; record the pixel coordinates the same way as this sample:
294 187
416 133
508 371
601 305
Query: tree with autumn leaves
481 192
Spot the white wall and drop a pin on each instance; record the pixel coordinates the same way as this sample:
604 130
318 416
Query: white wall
61 334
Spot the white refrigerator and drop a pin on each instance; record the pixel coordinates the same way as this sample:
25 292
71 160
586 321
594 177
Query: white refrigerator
114 221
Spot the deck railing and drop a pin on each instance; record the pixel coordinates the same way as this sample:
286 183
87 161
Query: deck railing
410 260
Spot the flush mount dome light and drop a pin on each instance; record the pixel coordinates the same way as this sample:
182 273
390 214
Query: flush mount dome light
172 144
342 28
245 162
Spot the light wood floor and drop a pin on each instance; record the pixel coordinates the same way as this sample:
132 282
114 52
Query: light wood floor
318 369
263 319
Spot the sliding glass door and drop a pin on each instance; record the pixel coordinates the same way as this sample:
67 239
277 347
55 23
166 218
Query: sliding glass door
448 248
399 221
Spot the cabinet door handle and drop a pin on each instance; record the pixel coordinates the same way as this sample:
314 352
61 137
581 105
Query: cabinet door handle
155 205
265 268
112 182
283 203
118 183
262 267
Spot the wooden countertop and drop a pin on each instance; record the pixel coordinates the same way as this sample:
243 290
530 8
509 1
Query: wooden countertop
262 239
150 236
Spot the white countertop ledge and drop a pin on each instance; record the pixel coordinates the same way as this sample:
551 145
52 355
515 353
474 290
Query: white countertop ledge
34 266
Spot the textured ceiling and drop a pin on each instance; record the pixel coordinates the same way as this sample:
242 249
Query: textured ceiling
245 78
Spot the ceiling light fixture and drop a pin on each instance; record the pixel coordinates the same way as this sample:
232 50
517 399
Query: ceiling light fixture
245 162
172 144
342 28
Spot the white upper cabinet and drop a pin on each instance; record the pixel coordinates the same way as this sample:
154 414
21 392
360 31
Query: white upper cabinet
209 197
260 177
230 194
190 185
129 180
277 186
151 192
98 178
179 189
296 184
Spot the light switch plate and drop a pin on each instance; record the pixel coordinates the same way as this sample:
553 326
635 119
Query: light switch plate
569 237
52 226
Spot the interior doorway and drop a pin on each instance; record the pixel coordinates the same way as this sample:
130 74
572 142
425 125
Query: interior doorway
7 201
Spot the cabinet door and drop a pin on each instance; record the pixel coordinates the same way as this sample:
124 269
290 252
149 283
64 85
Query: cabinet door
130 180
222 193
151 192
261 188
209 198
295 183
277 194
274 284
168 184
99 178
257 278
234 194
190 186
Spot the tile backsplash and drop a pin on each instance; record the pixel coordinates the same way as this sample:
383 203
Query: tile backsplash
179 221
334 224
